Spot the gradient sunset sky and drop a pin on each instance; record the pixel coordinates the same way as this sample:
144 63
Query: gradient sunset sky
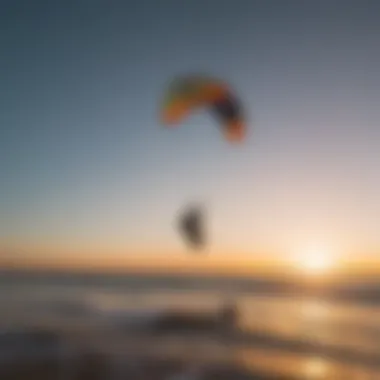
86 168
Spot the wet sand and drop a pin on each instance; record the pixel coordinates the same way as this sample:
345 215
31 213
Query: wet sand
93 366
111 354
87 354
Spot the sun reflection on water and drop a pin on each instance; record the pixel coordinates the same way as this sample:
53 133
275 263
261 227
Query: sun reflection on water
315 368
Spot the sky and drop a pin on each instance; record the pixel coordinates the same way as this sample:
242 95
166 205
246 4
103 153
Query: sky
88 172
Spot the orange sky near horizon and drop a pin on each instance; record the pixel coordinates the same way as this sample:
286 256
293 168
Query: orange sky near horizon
190 263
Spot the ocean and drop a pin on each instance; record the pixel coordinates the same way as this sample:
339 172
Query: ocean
282 331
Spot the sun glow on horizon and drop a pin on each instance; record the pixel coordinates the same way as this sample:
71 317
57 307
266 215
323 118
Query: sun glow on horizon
315 260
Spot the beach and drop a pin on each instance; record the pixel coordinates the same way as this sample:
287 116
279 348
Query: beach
106 328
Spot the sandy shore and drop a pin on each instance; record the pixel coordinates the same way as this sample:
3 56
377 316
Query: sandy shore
93 366
85 354
106 352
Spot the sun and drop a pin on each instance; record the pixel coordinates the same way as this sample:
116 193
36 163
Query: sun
314 260
316 263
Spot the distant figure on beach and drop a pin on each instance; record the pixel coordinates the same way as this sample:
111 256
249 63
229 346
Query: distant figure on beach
229 313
